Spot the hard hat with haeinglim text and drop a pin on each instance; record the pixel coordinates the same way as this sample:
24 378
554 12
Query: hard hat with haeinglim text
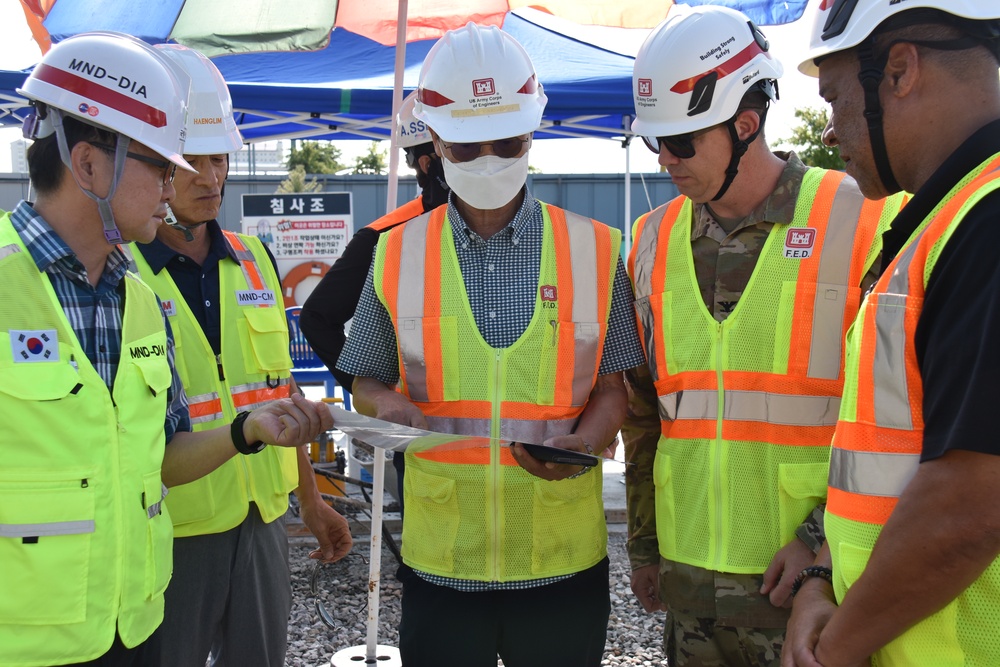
478 84
116 82
695 67
211 127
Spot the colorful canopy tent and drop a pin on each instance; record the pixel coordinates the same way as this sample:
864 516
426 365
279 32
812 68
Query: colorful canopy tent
216 27
344 91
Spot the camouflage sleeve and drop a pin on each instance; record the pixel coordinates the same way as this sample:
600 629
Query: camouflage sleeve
640 434
811 531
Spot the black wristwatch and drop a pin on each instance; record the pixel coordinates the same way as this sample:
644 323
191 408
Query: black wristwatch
239 440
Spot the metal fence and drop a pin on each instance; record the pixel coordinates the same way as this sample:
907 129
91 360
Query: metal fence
598 196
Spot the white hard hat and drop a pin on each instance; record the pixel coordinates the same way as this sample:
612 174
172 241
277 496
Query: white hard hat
843 24
412 130
695 67
117 82
477 84
211 127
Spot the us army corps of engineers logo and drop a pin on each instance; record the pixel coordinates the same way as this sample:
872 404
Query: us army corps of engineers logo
799 242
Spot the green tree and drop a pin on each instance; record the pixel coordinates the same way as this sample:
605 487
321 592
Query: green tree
315 157
372 162
807 139
297 182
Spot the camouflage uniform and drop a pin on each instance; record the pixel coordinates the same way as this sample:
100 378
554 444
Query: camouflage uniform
714 618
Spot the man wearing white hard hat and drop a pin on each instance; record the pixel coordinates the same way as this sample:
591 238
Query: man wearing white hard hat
230 595
497 315
98 423
745 285
911 575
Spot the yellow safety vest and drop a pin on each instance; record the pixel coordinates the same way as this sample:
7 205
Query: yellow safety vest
85 543
252 370
747 405
879 438
475 514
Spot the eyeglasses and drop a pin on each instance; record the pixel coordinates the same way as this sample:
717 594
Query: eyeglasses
680 145
504 148
168 169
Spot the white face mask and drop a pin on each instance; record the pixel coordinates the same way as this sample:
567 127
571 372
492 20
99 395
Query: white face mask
488 182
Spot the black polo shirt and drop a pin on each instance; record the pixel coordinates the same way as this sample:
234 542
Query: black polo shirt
958 334
198 284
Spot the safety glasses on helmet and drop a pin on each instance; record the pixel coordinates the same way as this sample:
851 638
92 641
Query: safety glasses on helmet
169 169
838 18
503 148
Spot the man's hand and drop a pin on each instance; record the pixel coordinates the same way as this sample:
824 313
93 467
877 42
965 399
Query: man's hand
646 586
288 422
396 408
329 528
785 566
813 608
376 399
547 469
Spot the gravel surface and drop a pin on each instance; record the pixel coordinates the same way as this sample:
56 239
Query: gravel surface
634 637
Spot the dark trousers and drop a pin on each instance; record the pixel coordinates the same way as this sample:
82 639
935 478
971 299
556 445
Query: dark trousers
146 654
229 597
559 625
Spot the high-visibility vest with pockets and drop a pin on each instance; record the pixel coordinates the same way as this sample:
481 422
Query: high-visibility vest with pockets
747 406
879 438
253 369
474 513
85 541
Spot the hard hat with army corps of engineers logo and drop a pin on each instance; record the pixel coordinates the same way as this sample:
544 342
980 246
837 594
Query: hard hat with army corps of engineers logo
116 82
477 84
694 69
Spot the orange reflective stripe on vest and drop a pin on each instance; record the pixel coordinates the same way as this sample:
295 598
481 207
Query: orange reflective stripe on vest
473 513
877 449
408 211
748 404
247 262
205 408
647 266
257 394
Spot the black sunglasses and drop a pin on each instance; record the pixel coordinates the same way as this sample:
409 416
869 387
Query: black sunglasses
680 145
503 148
169 169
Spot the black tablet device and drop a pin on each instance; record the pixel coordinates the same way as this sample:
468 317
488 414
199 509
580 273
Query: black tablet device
557 455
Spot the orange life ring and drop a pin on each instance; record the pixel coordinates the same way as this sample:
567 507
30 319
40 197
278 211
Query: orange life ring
299 273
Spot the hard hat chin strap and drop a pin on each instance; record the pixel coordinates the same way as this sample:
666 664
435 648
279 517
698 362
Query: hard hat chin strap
172 222
740 147
870 76
111 232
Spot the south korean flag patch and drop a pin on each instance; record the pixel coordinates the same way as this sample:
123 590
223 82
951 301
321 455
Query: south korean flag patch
33 346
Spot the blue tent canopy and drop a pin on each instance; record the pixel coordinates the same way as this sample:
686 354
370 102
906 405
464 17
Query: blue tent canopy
345 90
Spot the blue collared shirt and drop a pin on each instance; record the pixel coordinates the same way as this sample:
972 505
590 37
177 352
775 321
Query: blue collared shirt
94 313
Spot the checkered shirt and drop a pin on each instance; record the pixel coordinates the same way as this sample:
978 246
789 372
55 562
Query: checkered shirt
95 313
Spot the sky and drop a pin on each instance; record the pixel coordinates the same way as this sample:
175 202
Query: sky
552 156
